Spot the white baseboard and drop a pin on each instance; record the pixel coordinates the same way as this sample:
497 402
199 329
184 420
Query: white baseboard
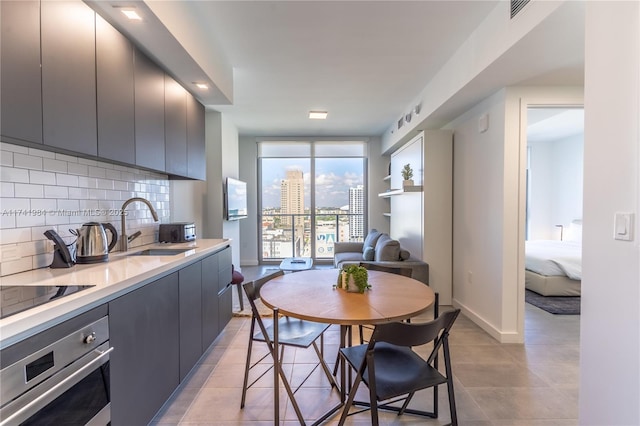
500 336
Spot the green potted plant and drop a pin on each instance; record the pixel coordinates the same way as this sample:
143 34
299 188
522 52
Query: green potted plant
407 175
354 279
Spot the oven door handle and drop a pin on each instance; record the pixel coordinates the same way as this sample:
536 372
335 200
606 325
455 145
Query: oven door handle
55 388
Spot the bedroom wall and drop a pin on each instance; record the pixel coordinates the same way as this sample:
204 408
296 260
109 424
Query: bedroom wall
556 174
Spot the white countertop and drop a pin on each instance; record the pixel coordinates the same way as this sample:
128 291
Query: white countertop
121 274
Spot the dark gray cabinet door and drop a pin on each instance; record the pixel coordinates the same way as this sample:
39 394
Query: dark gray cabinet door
210 320
149 112
196 155
21 94
175 127
69 76
190 317
225 303
114 79
143 329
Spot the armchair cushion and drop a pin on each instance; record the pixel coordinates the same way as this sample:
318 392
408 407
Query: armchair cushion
387 249
369 253
371 240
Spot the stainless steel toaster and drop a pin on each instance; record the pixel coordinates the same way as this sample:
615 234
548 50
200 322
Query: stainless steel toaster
179 232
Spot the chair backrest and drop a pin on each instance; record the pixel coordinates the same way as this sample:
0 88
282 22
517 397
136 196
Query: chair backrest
252 288
414 334
390 269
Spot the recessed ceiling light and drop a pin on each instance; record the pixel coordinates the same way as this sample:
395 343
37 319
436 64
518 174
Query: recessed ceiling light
202 86
131 14
318 115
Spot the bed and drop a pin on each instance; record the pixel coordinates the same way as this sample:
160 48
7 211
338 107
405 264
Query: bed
554 268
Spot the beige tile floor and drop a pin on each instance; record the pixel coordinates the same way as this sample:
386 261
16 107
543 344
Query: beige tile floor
533 384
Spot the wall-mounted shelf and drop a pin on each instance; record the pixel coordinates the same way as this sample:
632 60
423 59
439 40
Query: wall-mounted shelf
391 192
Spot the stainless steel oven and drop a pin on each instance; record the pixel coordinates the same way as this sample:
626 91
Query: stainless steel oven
65 381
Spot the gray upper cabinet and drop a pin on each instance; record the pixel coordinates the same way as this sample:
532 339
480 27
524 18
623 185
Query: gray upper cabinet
69 76
149 113
21 94
114 80
196 156
175 127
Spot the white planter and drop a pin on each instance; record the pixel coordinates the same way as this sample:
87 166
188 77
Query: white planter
350 285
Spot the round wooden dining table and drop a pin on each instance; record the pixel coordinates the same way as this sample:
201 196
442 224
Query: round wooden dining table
311 295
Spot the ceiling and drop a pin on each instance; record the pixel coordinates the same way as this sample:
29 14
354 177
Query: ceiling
271 62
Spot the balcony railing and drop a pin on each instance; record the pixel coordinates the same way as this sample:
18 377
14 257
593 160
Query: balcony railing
297 235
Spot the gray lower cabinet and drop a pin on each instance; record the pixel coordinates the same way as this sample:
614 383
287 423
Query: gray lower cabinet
225 293
144 330
190 317
161 330
114 79
21 94
210 321
69 76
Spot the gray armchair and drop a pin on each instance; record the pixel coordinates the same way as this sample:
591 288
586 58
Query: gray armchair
379 248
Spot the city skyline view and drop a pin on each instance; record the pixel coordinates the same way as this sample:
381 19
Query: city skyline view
334 178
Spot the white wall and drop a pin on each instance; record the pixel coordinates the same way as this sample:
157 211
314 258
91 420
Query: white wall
479 217
556 175
230 168
610 320
248 149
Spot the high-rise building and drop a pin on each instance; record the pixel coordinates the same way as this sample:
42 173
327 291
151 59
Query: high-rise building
292 202
356 213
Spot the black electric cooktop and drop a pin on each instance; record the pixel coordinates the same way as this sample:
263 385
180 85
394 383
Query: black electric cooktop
19 298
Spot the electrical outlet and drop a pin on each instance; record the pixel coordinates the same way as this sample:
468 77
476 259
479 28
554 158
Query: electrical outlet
9 253
470 277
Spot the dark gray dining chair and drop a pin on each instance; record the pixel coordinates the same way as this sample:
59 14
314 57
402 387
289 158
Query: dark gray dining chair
394 372
286 332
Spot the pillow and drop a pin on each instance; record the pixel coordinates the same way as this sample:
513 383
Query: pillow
371 240
387 249
404 254
369 253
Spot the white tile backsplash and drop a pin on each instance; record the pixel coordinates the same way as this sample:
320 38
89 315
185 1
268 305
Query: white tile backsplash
43 190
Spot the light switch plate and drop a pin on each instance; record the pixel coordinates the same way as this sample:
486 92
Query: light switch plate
623 226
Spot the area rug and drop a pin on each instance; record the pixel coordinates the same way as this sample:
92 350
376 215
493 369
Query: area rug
559 305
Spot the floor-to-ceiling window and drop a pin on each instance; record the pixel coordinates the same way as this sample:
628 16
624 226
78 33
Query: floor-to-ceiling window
312 193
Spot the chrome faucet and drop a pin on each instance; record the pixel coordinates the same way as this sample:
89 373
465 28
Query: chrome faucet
124 240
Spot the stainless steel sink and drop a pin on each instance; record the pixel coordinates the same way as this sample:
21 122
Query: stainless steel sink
159 252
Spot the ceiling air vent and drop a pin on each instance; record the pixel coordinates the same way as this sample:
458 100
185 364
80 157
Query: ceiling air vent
516 6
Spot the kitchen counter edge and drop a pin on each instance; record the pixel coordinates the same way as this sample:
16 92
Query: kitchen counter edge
135 271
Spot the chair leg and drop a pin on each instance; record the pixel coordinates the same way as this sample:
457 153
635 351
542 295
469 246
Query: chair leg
373 399
248 364
239 287
450 390
343 331
349 403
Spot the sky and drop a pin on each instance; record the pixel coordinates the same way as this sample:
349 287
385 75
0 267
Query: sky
334 177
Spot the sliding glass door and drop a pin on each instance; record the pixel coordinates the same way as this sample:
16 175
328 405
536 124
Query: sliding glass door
312 194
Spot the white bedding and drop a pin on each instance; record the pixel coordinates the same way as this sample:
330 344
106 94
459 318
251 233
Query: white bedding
550 257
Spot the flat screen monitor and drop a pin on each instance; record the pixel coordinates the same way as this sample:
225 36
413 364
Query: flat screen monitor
235 198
